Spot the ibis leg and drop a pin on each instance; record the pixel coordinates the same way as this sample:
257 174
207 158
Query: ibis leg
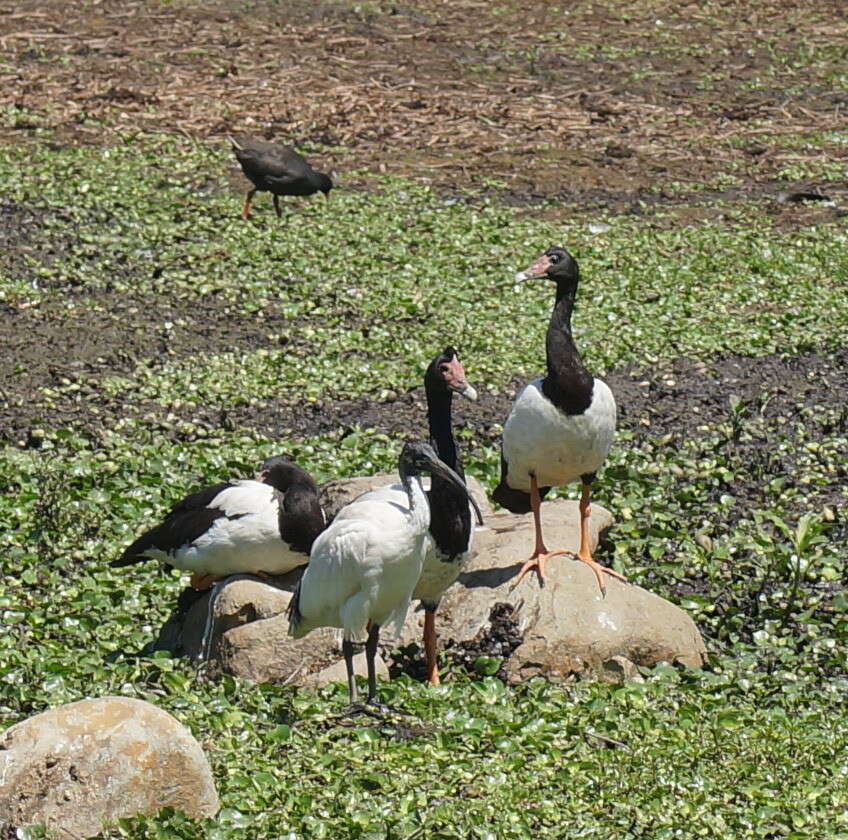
347 650
370 656
277 205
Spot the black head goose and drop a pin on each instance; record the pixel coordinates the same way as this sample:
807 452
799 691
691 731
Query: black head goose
561 426
451 530
277 169
364 567
263 526
450 535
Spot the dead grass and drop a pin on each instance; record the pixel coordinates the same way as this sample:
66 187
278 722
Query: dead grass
616 96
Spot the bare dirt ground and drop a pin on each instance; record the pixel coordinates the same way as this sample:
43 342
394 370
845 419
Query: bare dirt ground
600 104
609 106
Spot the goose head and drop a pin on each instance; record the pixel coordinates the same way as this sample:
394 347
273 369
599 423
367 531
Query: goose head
447 374
281 473
556 264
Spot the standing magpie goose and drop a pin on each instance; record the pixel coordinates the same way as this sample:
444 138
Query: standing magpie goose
561 426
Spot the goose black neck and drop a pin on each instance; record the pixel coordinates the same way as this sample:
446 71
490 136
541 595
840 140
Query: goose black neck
568 385
450 518
439 405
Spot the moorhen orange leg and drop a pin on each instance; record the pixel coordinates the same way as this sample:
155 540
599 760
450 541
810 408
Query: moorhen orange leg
245 213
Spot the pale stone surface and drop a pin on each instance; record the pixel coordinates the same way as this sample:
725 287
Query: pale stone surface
81 766
567 626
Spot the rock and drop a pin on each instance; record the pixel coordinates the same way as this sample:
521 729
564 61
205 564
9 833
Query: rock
619 669
566 628
336 494
84 765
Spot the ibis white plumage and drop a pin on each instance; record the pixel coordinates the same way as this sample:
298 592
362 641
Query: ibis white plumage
364 567
561 426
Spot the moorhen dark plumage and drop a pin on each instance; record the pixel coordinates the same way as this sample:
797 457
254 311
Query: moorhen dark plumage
277 169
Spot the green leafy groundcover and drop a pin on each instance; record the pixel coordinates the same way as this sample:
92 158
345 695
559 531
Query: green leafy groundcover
753 747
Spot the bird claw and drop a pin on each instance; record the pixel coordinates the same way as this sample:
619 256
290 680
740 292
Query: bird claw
370 708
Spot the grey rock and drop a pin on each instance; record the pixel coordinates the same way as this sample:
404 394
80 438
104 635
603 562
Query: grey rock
84 765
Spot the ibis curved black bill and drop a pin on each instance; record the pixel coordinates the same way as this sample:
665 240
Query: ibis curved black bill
418 457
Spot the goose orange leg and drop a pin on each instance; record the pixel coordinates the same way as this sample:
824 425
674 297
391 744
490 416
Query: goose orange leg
540 552
585 553
201 582
430 647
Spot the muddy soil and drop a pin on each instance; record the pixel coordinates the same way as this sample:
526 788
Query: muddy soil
619 106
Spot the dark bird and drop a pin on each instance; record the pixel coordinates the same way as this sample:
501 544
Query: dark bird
561 426
263 526
277 169
364 567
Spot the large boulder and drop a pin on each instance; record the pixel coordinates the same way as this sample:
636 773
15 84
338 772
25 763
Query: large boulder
84 765
563 628
567 626
240 626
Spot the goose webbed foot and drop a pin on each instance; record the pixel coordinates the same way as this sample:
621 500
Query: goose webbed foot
537 562
203 582
600 571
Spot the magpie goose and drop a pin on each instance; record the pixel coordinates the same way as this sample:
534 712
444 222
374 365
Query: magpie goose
561 426
448 542
257 526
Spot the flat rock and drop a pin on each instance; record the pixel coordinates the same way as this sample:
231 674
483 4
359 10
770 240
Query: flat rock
84 765
566 627
241 627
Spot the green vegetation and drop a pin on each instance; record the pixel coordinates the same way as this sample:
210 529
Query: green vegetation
364 288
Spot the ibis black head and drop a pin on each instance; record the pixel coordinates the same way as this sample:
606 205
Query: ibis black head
447 374
417 457
556 264
281 474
